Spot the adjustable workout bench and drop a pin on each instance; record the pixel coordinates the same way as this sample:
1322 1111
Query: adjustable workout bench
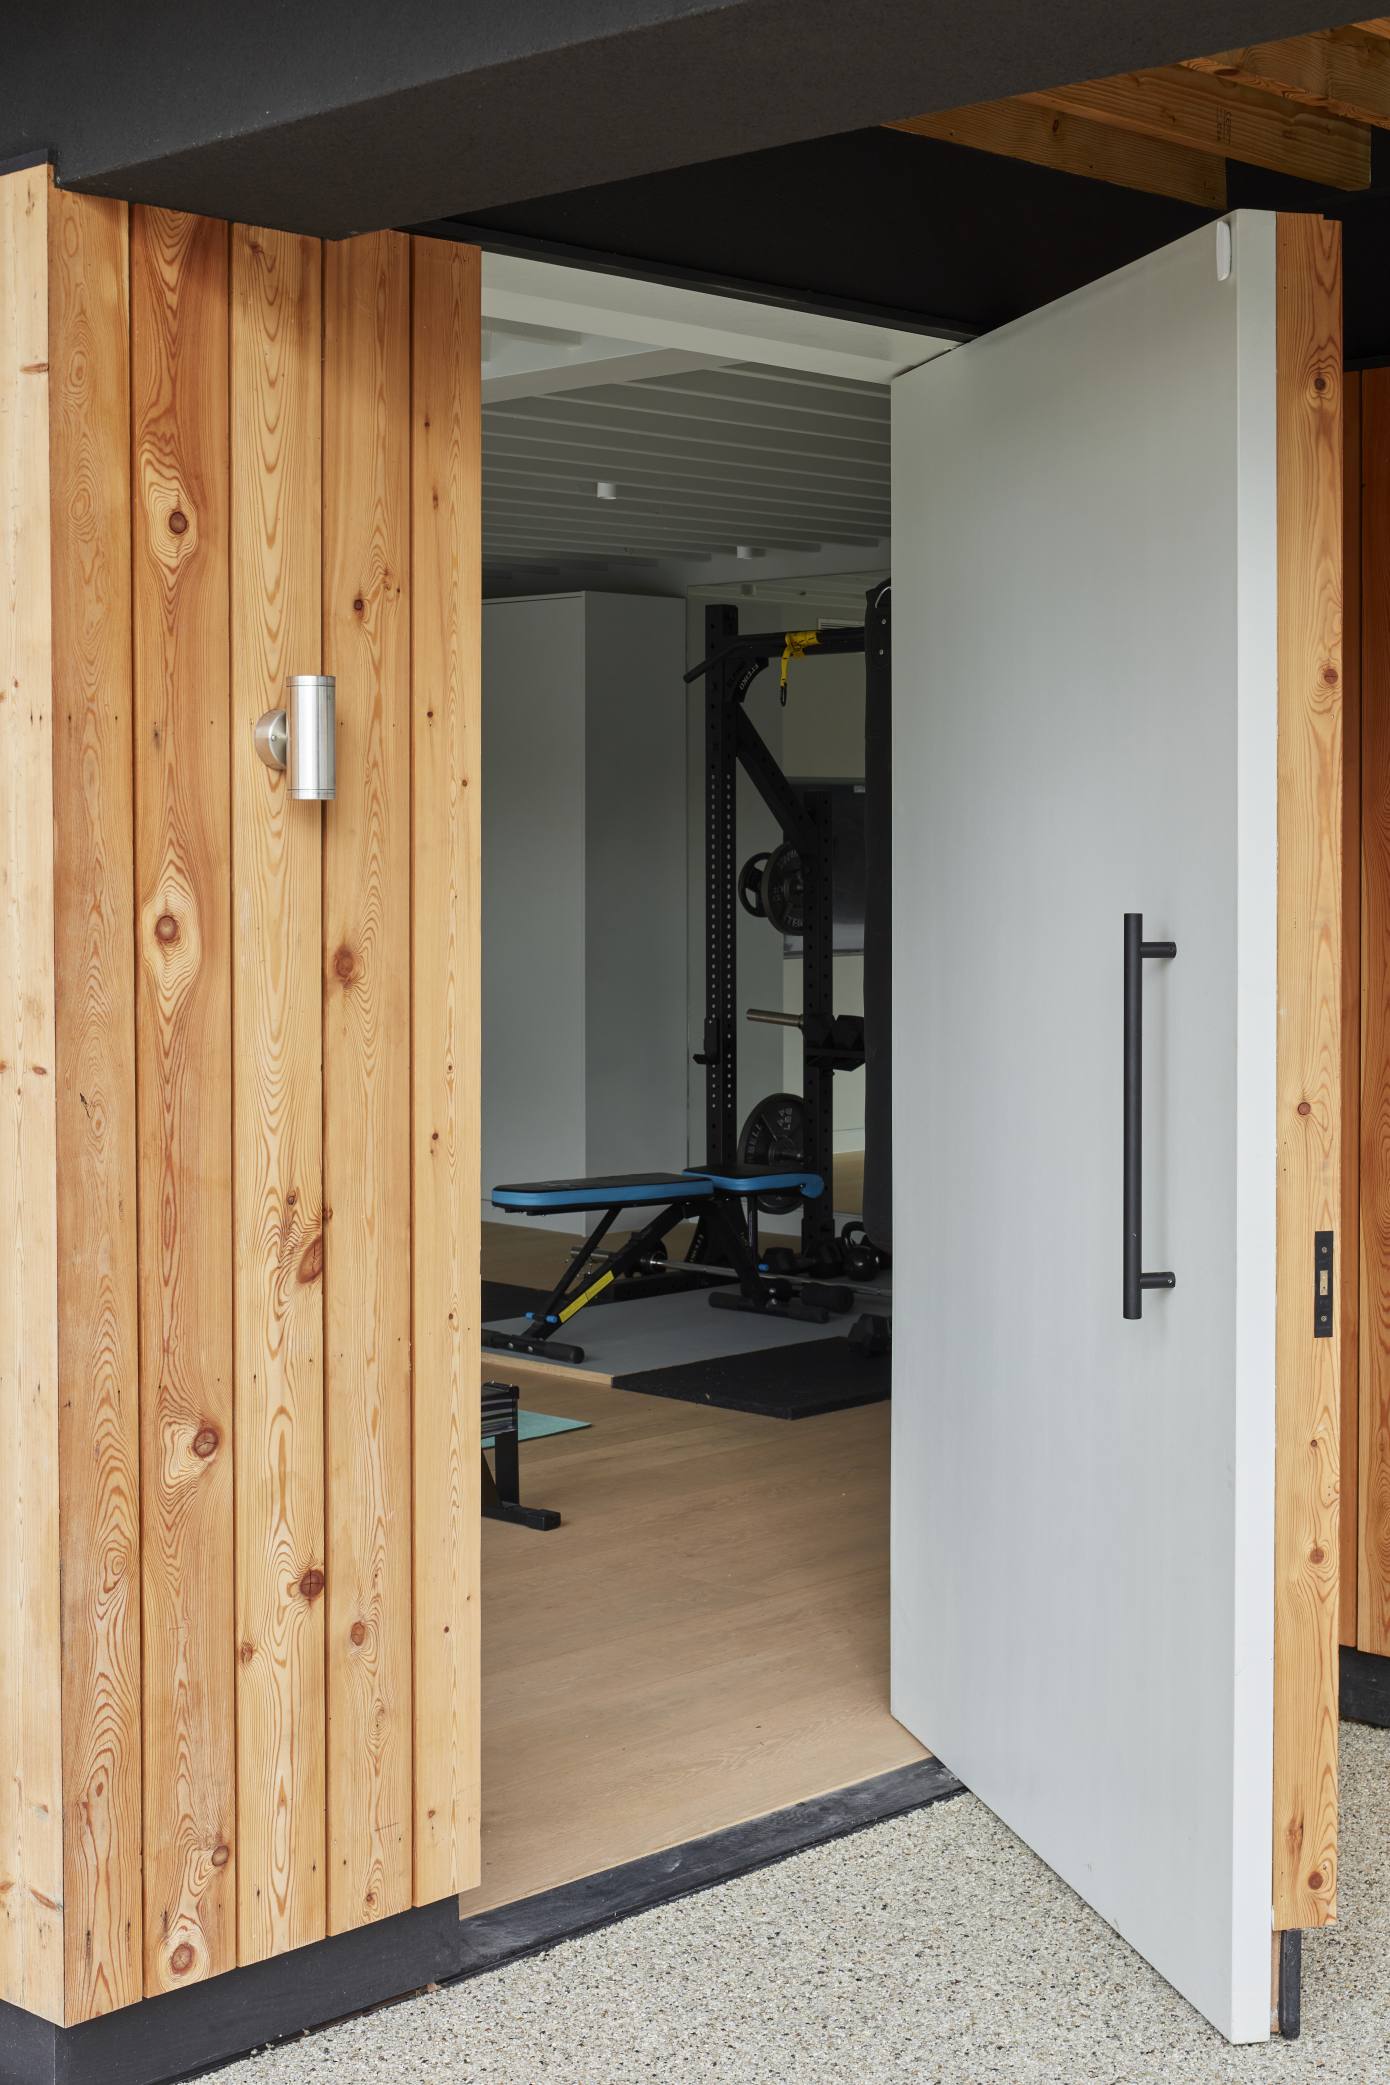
715 1197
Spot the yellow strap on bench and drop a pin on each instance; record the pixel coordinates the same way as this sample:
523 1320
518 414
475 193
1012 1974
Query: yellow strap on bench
588 1296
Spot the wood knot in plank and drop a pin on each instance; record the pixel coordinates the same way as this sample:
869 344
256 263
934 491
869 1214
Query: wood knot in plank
1305 1107
206 1442
345 965
311 1261
311 1584
1315 1880
358 1633
220 1856
178 522
181 1961
166 929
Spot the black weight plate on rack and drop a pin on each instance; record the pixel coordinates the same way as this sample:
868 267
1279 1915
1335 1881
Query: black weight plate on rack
750 885
775 1135
784 891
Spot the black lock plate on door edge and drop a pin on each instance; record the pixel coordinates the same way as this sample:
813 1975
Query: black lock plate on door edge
1322 1285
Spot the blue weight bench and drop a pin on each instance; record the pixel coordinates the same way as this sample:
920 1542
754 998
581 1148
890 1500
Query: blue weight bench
716 1198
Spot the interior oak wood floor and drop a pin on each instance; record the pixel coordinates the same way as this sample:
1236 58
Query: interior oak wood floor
704 1639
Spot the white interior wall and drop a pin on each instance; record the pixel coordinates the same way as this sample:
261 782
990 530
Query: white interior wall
635 875
533 889
583 887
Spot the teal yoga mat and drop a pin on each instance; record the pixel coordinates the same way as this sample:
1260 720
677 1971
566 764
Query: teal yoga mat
535 1426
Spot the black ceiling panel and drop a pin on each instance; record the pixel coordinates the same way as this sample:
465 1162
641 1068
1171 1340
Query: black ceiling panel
918 230
334 116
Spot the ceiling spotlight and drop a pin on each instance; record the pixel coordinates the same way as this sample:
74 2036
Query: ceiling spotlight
746 550
606 489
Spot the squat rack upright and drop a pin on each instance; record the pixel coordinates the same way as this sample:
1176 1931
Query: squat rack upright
803 813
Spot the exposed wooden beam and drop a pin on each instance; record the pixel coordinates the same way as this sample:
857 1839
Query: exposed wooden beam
1079 145
1345 71
1203 114
1379 25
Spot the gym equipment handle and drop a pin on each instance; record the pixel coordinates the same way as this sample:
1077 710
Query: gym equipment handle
1136 949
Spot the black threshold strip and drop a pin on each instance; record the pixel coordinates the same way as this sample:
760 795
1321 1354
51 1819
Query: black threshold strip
203 2030
491 1939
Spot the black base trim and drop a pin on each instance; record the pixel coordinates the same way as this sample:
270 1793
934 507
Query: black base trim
187 2033
533 1924
1365 1688
183 2033
1290 2009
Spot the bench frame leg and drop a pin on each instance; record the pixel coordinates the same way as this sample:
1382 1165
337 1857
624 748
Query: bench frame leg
502 1481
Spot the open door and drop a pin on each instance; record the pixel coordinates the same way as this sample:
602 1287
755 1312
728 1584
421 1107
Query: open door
1116 669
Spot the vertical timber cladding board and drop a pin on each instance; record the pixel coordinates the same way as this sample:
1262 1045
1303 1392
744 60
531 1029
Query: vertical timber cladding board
366 609
1348 1253
1373 1597
180 442
31 1845
446 1046
98 1337
1309 352
276 415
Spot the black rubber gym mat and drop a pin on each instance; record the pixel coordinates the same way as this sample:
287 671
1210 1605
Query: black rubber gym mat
509 1299
791 1382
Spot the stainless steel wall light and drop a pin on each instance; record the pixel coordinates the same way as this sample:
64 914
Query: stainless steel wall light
300 738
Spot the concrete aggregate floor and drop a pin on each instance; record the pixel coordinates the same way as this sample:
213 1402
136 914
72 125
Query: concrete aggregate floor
934 1950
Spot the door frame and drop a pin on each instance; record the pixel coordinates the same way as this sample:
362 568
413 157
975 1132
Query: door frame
1309 382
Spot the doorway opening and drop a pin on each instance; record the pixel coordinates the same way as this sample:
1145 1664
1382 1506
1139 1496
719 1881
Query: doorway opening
686 524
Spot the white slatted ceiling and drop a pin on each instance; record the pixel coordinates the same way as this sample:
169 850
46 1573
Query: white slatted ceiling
703 462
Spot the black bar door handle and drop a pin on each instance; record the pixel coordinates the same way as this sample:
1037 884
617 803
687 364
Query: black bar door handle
1136 949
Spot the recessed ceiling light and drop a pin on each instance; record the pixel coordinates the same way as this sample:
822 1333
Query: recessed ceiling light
606 489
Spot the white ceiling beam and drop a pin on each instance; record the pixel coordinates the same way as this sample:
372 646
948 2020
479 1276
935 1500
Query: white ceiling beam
629 366
731 329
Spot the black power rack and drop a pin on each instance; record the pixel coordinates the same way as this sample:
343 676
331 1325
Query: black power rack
803 813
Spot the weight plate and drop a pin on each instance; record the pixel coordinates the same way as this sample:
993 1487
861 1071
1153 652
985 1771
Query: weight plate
775 1135
750 885
784 891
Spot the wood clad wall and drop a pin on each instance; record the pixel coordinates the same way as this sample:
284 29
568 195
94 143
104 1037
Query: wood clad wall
31 1763
446 671
93 784
366 947
277 1120
1308 1069
238 1072
181 509
1373 1473
1349 1231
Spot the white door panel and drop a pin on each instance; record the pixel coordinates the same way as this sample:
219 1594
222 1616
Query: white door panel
1085 715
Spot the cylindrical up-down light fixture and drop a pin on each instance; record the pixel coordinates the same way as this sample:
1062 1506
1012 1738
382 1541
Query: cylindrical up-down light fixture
300 739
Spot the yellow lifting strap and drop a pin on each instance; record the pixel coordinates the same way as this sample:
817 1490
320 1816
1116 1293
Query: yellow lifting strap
795 645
